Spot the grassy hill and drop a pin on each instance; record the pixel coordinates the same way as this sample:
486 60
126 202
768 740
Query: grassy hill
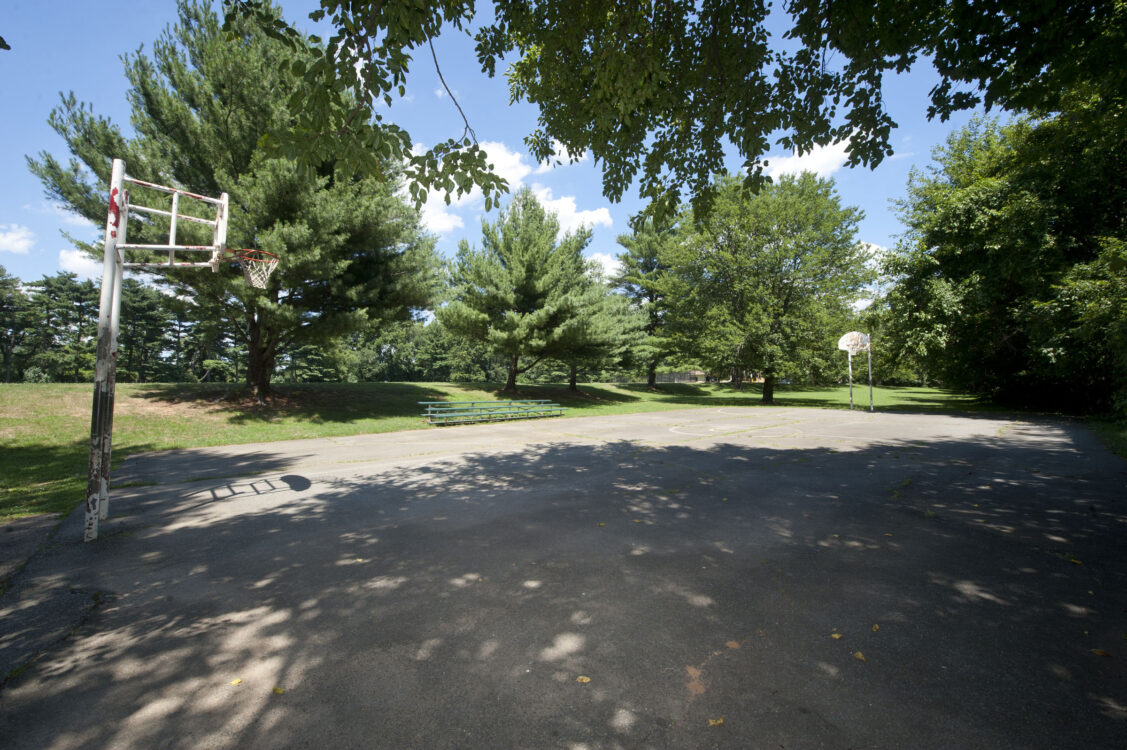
45 429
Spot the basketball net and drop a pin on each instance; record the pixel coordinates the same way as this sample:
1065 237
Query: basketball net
257 267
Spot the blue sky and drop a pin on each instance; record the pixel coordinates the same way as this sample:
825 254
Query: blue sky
73 45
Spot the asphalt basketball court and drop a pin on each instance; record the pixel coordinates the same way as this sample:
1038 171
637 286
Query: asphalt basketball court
761 578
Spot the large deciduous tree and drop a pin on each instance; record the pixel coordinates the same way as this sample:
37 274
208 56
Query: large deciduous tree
762 281
656 89
523 292
203 105
1009 280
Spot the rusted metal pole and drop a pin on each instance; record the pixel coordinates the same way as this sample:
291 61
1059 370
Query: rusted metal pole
101 415
115 328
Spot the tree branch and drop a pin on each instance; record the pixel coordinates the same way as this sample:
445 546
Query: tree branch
438 70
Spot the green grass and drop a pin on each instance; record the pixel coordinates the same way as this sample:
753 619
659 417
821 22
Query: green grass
45 429
1114 434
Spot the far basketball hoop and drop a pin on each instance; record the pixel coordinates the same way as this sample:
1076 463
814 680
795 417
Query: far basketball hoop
257 266
855 342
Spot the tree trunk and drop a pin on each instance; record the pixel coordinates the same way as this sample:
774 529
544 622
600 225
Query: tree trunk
571 377
261 357
737 378
511 383
651 374
768 389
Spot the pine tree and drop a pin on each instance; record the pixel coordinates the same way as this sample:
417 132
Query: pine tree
642 278
351 250
608 330
16 322
522 292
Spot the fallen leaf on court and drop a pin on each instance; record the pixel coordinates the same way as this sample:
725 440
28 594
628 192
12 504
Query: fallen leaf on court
582 679
860 656
723 499
732 644
602 524
716 722
1100 652
888 534
237 681
279 691
1074 561
876 628
637 520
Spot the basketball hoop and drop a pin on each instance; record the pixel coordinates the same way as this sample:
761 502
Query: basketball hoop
853 342
856 342
257 266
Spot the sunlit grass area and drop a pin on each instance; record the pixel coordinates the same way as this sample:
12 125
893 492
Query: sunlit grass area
45 429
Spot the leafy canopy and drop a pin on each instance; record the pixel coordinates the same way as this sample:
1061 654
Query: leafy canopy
1009 280
654 90
761 282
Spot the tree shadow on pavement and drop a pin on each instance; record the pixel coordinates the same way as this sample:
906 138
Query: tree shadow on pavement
948 594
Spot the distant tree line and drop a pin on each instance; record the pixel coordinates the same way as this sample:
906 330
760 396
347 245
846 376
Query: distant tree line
48 329
762 287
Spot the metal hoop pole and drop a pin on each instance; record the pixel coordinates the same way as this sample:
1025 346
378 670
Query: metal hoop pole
101 417
870 350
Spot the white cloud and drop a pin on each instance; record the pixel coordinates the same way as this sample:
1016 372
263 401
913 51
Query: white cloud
440 92
60 212
876 254
563 156
822 161
71 218
569 216
610 263
16 239
440 218
512 165
861 304
80 263
437 216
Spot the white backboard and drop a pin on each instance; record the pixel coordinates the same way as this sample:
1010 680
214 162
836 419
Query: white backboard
854 342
